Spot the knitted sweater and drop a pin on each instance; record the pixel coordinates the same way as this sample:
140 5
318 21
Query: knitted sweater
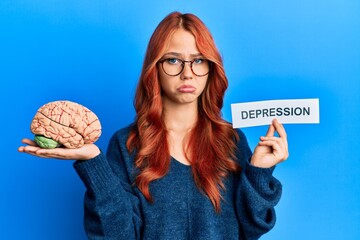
114 207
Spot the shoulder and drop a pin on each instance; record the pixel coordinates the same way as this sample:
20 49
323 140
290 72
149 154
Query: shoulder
120 137
118 156
117 143
123 133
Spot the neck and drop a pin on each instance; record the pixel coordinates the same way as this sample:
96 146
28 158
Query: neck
180 117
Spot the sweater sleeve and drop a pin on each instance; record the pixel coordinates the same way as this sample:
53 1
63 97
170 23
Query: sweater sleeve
111 208
257 195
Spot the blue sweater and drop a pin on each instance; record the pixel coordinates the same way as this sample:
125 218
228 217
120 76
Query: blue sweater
116 209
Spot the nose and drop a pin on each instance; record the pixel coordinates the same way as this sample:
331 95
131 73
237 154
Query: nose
187 72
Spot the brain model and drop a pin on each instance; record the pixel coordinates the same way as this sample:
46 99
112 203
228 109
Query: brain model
65 123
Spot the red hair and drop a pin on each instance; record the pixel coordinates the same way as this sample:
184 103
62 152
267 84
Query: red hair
211 147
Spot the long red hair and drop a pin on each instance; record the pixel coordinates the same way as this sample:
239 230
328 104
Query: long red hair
211 147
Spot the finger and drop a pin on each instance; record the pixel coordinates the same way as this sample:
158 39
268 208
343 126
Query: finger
30 150
35 150
279 128
37 155
59 153
281 141
278 152
51 153
270 131
21 149
29 142
273 144
278 140
282 133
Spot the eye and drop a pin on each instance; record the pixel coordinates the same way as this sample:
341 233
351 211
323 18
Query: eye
198 61
173 61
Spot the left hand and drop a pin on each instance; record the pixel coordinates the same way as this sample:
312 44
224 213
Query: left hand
86 152
271 150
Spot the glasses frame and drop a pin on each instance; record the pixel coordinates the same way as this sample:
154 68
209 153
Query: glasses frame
183 66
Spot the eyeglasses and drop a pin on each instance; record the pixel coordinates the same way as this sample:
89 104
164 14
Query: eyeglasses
174 66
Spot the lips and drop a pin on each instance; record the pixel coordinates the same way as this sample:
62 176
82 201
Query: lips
186 89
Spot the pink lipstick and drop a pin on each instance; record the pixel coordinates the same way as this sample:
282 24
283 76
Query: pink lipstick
186 89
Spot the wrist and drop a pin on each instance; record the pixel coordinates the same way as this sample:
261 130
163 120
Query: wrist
89 153
260 164
94 154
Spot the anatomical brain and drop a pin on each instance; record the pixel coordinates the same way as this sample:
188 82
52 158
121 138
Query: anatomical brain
65 123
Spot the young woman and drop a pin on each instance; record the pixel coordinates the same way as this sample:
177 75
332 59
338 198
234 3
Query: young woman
179 171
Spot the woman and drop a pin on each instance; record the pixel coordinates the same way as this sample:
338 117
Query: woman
179 171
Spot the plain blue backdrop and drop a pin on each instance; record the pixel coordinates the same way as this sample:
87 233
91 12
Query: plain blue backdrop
91 52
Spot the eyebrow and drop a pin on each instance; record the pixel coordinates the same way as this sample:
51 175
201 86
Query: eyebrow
181 55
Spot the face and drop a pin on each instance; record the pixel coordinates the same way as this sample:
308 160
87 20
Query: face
186 87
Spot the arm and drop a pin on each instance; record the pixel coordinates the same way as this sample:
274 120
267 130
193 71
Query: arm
257 195
111 208
258 191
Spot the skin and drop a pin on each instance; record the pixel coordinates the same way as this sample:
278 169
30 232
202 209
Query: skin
183 89
180 104
180 115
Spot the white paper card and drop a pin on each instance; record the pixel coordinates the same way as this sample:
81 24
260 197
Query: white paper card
260 113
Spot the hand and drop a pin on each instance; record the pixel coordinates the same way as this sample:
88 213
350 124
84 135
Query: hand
86 152
271 150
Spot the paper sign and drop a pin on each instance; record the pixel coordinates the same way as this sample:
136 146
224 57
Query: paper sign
251 114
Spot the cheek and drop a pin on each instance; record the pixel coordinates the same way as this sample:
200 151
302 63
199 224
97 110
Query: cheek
202 83
162 79
164 82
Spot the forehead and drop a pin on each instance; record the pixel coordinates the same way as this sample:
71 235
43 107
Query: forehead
182 42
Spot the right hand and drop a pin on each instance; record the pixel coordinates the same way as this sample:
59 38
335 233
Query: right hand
86 152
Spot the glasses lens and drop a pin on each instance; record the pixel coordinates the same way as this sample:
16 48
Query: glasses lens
200 67
172 66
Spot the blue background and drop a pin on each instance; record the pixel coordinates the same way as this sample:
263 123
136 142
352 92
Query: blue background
91 52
